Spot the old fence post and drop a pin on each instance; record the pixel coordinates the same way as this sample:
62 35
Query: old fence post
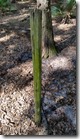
36 42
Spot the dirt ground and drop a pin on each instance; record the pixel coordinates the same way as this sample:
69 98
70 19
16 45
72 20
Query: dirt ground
16 78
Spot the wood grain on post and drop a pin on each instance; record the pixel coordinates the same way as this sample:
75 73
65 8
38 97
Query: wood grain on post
36 41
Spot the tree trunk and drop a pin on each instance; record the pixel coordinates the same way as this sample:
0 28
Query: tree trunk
48 46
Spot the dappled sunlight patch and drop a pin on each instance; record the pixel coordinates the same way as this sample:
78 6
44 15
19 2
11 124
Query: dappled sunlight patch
13 107
57 37
61 62
26 71
65 26
12 19
54 23
2 31
23 2
7 37
61 38
21 69
11 46
10 50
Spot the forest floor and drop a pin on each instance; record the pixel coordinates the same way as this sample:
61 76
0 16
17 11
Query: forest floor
16 78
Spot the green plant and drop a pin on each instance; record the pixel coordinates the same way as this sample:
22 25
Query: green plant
63 8
4 3
7 5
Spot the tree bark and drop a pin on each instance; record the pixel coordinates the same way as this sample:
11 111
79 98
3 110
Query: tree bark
48 46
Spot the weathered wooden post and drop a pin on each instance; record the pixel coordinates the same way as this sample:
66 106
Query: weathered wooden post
36 41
